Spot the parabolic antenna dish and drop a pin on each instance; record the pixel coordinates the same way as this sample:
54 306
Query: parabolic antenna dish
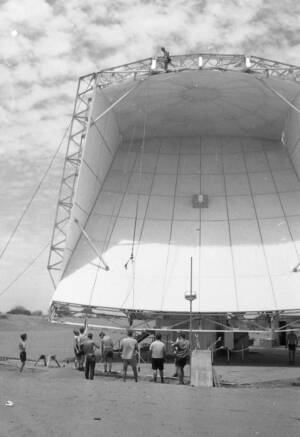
202 162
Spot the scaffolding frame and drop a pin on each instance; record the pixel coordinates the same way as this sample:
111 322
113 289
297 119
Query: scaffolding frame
70 173
137 71
240 322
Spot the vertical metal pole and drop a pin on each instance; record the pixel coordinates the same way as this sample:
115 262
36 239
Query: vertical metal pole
191 296
139 358
191 308
191 304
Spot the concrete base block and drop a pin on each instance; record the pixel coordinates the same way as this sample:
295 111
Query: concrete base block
201 368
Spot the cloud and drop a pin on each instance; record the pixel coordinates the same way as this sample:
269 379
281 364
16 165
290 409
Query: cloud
59 41
46 45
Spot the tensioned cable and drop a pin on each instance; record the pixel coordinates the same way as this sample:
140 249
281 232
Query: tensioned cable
236 295
90 168
142 227
84 233
24 270
116 102
120 99
107 237
131 284
142 149
34 194
278 94
166 330
166 279
25 211
110 228
109 234
31 200
259 226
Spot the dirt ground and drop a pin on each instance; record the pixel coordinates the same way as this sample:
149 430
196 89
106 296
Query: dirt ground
258 397
59 402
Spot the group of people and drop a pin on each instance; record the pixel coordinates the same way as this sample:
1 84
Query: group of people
85 349
85 353
181 348
43 357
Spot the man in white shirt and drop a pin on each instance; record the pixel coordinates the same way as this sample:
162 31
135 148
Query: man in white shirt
129 350
157 355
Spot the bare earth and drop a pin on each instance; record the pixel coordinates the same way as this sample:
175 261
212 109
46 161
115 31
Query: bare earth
61 402
259 400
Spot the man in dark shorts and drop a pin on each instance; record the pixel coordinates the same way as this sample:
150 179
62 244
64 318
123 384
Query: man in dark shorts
182 352
107 351
157 355
22 350
90 356
292 342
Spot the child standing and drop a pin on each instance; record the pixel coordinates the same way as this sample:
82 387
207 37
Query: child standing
22 350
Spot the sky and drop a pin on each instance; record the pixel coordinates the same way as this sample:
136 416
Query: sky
45 46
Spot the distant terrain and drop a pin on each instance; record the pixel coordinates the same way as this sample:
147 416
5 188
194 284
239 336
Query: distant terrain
43 337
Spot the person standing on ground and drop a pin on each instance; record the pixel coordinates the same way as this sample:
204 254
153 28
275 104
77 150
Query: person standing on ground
107 351
157 355
81 340
22 350
166 58
89 349
182 352
292 342
172 344
129 350
76 348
